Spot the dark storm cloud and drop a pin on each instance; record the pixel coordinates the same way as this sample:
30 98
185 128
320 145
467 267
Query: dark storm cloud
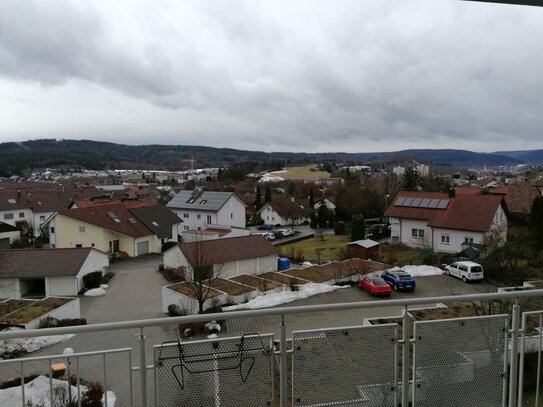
374 75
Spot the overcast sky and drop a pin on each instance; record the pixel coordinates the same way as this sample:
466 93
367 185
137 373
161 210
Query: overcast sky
278 75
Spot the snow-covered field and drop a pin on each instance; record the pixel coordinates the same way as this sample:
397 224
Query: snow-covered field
284 297
38 391
31 344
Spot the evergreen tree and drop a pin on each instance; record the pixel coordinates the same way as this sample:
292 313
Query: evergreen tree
358 228
258 200
267 197
311 199
411 179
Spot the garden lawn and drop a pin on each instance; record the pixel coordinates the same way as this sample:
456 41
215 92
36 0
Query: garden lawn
330 248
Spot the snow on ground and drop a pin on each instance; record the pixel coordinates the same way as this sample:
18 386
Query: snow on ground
271 178
95 292
284 297
31 344
38 391
421 271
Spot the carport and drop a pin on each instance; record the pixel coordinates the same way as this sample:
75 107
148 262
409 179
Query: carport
32 287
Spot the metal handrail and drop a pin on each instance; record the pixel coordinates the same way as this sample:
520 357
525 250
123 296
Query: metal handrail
144 323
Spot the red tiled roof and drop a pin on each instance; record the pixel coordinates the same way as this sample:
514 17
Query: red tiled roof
98 216
464 212
220 251
286 207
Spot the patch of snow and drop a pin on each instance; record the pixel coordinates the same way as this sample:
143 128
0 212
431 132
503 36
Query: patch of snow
421 271
31 344
212 336
37 391
271 178
104 286
95 292
213 326
284 297
307 264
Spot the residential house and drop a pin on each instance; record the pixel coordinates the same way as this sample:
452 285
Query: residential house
443 223
47 272
284 210
199 209
114 228
8 234
225 257
327 202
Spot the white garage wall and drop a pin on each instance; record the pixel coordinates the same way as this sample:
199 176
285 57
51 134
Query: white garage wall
64 286
96 261
9 288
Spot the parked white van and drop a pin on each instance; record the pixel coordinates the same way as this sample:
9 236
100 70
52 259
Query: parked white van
466 270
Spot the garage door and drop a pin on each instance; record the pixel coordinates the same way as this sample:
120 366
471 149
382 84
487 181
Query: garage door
4 243
143 248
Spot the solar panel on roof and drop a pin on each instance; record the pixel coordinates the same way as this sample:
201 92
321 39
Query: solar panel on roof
408 201
433 203
424 203
443 203
416 202
131 220
400 201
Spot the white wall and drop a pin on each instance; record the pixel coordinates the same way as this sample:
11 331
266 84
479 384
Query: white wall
95 261
70 310
27 216
12 236
62 286
10 288
406 229
232 213
187 303
456 238
37 222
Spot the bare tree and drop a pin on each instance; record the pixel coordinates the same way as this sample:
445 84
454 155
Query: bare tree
205 265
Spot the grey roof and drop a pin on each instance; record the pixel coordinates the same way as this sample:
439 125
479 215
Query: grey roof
158 219
201 200
366 243
42 262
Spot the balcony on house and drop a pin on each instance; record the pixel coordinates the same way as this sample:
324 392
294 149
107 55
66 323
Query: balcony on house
400 360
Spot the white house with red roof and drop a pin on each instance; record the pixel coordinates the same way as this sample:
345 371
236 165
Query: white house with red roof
442 222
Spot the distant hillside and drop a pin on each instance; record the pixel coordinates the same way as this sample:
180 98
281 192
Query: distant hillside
534 157
95 155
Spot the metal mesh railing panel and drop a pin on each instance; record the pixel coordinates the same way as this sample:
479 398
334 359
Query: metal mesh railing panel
531 362
227 372
460 362
345 366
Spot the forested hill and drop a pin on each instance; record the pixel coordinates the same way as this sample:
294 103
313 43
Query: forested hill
16 157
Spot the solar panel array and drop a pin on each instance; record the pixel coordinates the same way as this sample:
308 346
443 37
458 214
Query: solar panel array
422 203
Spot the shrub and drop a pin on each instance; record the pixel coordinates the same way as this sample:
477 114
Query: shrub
72 322
93 395
49 322
107 276
92 280
16 381
175 310
173 275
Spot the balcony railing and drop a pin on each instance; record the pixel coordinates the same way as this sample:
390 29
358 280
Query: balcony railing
488 360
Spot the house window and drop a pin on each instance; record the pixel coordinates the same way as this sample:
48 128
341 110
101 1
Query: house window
418 233
186 215
468 240
8 216
81 229
445 239
269 209
79 245
231 216
198 216
185 228
21 215
208 219
273 218
42 218
52 230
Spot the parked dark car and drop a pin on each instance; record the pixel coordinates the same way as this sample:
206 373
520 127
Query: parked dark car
399 279
376 231
374 285
278 234
264 226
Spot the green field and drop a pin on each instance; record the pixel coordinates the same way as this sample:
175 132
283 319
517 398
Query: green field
330 248
307 172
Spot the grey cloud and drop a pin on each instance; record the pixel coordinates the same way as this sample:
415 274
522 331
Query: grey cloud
308 75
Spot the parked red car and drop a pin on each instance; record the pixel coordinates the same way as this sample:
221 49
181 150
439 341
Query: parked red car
374 285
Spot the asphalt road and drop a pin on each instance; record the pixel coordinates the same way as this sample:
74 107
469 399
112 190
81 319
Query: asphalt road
135 293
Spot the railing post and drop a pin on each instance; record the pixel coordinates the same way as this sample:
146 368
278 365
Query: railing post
143 369
283 396
513 365
405 357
